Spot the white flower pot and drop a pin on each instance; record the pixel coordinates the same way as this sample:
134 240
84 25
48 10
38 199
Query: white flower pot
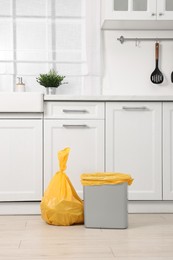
50 91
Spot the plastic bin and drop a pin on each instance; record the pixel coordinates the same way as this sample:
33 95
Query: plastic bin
105 205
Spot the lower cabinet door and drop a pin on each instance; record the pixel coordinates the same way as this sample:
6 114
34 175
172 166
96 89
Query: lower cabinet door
86 141
134 146
168 150
20 160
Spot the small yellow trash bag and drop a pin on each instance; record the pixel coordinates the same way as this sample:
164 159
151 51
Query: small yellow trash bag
61 205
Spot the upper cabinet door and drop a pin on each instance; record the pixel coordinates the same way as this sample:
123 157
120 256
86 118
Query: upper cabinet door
129 9
165 9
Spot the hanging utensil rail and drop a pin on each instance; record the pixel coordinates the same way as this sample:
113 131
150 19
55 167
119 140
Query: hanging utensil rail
122 39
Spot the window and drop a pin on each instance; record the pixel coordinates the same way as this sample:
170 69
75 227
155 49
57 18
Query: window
38 35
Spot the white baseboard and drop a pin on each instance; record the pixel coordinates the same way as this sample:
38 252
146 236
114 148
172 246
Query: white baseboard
32 208
19 208
150 206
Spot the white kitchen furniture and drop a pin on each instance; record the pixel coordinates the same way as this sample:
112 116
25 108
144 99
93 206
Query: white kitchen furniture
21 158
164 9
168 150
80 126
134 143
115 11
21 151
131 134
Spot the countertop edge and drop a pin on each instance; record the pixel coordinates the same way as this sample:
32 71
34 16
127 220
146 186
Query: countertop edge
107 98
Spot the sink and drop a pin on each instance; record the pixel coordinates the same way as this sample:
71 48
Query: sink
21 102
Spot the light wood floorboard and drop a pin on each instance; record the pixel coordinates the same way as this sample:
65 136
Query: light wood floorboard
149 236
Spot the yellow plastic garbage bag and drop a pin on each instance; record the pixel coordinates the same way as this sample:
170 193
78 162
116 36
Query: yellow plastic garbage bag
61 205
101 178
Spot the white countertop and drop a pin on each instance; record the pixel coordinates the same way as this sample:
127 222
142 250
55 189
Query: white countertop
107 98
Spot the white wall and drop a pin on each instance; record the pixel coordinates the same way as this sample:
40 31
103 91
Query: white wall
126 68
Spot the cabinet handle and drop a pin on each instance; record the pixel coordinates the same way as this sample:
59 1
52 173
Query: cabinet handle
74 126
74 111
160 14
153 14
135 108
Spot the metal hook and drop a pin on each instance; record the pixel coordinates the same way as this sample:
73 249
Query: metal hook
137 42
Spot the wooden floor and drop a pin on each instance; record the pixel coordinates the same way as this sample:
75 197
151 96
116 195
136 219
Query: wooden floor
149 236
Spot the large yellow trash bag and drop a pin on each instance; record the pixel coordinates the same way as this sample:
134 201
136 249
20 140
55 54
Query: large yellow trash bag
103 178
61 205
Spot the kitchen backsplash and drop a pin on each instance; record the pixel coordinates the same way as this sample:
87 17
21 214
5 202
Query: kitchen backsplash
127 67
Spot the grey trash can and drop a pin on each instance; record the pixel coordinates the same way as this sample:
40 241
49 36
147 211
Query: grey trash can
105 206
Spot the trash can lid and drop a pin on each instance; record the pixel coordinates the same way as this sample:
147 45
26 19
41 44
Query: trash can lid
102 178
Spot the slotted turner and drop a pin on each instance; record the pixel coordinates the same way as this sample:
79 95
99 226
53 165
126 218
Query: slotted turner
157 76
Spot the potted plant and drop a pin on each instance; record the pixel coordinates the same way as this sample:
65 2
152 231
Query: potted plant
51 81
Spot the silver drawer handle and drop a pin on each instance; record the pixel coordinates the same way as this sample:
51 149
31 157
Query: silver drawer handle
74 111
135 108
75 126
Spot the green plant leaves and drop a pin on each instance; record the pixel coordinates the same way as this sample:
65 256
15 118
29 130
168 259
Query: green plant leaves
50 80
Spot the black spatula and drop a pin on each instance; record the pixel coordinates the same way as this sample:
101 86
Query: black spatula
157 76
172 77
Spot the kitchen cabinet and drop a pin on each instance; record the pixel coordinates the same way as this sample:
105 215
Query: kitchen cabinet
129 9
80 126
132 137
138 9
133 145
141 10
21 158
167 151
164 10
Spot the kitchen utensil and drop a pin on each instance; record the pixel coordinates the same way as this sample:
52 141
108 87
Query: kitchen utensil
172 77
157 76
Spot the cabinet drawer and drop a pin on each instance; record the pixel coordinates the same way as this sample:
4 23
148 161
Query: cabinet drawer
74 110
